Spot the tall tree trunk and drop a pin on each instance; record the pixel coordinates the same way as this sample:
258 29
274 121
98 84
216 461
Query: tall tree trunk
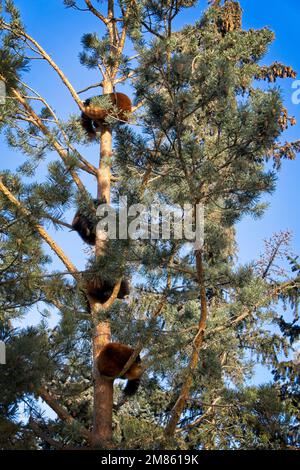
103 387
103 391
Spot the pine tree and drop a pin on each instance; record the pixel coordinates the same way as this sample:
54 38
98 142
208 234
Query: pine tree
201 131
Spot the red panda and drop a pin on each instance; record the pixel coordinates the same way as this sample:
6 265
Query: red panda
89 125
85 228
85 224
101 289
112 360
94 116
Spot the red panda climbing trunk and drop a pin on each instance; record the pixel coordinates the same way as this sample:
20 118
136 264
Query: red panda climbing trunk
85 221
112 360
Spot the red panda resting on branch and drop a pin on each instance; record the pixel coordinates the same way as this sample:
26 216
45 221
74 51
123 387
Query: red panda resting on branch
93 116
112 360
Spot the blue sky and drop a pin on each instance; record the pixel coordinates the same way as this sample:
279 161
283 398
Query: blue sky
59 30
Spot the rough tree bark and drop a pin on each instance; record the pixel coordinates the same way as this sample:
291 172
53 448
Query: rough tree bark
103 386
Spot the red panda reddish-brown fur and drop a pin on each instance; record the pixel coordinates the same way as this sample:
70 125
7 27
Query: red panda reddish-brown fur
94 116
85 228
112 360
119 100
100 289
85 223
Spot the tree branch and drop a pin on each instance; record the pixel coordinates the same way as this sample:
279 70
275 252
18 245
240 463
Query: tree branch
63 414
38 431
25 212
47 57
148 27
95 85
37 121
86 165
96 12
201 418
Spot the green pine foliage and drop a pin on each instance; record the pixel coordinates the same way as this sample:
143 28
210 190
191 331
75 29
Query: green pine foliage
207 133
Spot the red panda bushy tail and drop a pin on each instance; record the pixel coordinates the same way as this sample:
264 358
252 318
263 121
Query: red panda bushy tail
131 387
